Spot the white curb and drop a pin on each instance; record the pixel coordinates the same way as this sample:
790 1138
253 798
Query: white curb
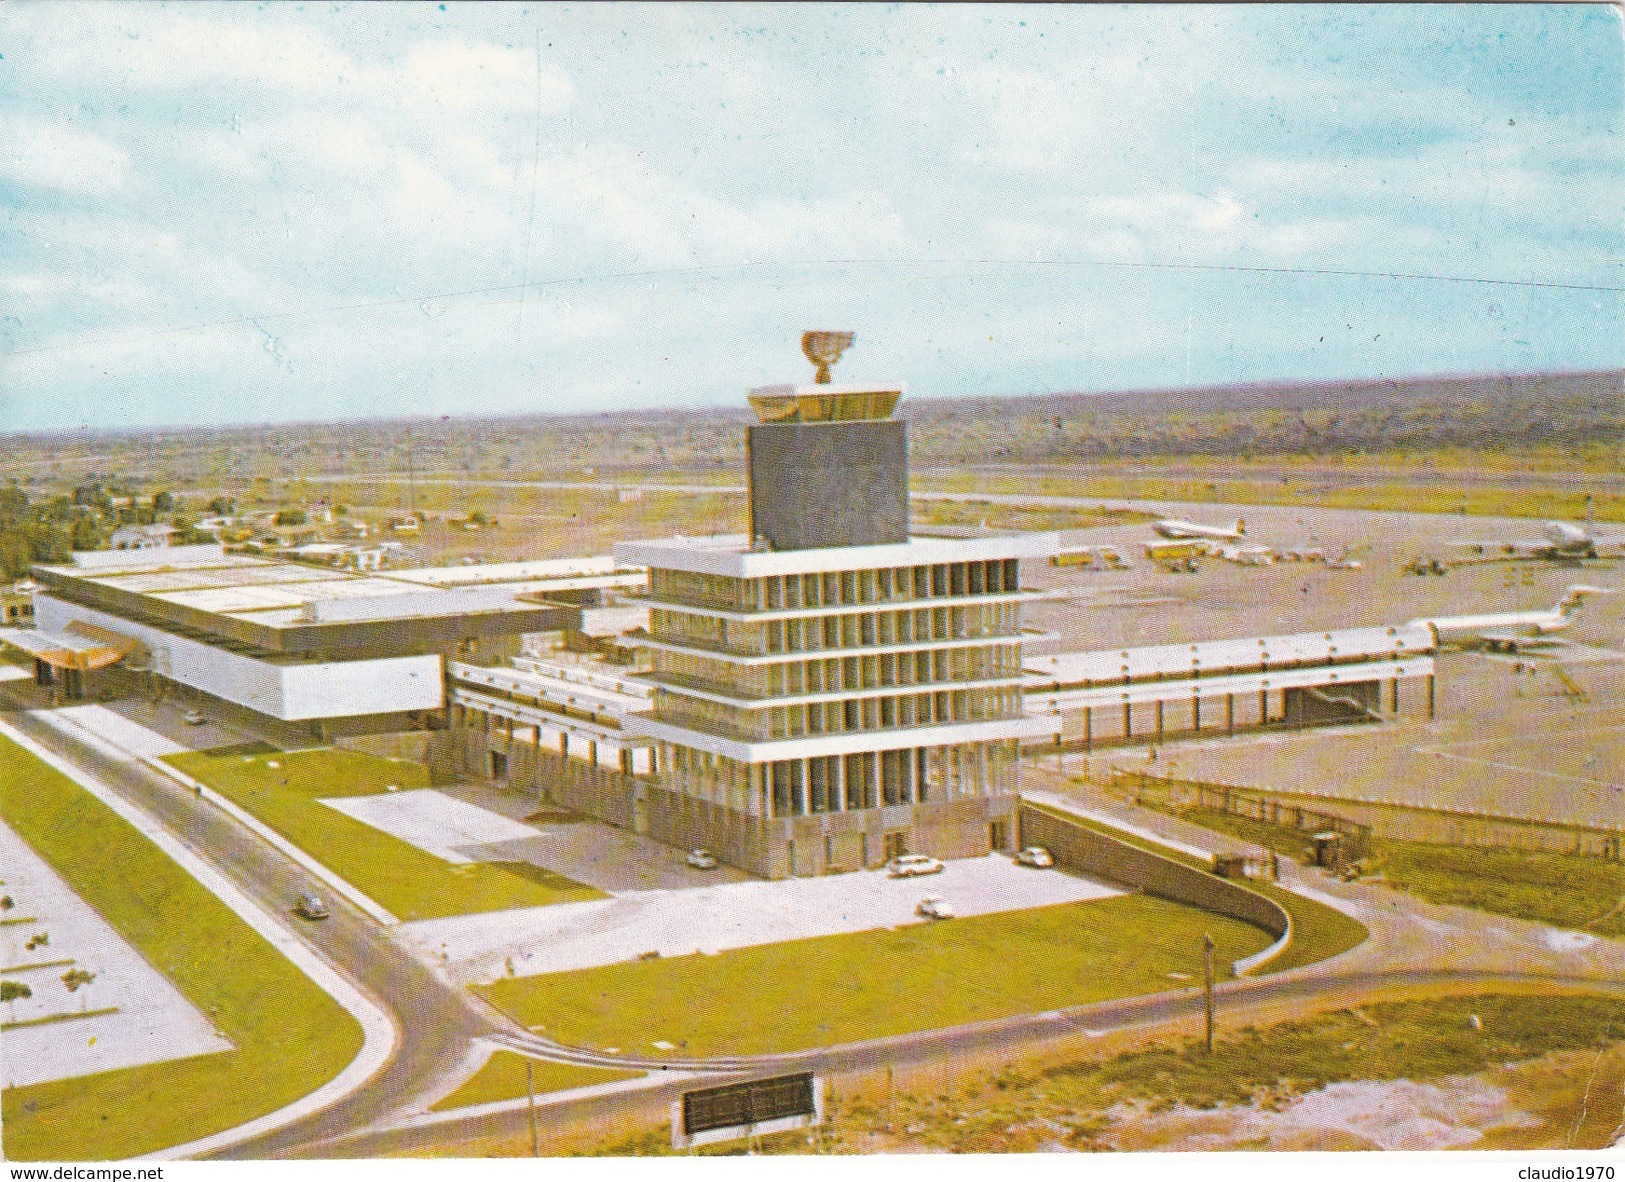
378 1027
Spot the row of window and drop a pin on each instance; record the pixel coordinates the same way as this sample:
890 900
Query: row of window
838 718
847 588
844 783
860 630
841 674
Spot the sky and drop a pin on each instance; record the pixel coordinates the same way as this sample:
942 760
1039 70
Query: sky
246 213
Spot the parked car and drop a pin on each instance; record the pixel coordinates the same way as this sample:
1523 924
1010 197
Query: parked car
912 865
1035 856
193 718
702 860
310 907
935 907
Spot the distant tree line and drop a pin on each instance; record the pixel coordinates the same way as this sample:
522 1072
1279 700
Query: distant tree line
1579 412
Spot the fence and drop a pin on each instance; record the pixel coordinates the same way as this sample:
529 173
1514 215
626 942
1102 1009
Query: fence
1359 818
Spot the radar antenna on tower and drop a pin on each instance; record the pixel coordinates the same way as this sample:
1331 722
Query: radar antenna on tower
824 349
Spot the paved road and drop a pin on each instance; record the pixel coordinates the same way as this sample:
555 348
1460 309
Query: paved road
1412 944
438 1019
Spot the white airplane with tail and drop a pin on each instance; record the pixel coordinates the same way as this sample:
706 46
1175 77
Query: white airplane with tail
1174 528
1510 631
1562 541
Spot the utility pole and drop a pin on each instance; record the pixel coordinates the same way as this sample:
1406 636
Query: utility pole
530 1093
1207 987
411 476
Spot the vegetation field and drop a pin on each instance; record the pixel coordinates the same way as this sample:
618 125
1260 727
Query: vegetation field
290 1037
1558 1058
1400 491
503 1078
285 790
1565 890
844 988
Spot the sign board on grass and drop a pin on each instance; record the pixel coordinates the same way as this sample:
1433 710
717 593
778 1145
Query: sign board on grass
753 1108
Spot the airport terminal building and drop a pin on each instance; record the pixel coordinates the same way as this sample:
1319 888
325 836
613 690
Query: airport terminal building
829 691
298 652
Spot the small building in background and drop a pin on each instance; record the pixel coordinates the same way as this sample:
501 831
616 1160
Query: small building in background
142 537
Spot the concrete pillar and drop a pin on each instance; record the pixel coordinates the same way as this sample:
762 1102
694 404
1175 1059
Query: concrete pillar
1128 720
1430 697
1196 712
1159 719
592 752
840 783
1088 728
1393 697
806 787
874 780
1230 714
1263 707
564 743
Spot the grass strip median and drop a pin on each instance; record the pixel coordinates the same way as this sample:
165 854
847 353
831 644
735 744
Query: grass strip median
290 1036
285 790
862 985
503 1078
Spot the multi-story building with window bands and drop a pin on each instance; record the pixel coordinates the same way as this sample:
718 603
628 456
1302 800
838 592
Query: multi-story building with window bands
830 706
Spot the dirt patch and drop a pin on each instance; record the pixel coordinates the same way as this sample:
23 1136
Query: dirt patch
1400 1114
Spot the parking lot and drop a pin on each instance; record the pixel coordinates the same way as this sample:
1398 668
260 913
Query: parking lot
128 1014
478 948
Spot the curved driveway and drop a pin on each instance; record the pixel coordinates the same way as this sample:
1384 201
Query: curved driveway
1412 944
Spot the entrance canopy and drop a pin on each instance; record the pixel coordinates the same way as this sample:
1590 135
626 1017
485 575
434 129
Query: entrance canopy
64 650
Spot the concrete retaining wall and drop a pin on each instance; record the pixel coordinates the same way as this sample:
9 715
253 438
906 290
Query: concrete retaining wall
1093 853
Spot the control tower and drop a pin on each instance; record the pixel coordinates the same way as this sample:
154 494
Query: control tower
831 692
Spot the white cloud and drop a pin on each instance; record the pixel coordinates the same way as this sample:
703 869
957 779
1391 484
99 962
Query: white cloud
56 155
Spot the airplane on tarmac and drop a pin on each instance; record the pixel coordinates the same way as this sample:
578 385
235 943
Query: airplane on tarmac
1248 555
1172 527
1510 631
1563 541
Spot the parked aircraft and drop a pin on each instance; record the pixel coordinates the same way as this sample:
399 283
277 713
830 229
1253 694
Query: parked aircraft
1172 527
1248 555
1510 631
1562 540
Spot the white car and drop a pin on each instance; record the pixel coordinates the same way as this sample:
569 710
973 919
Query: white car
193 718
1035 856
935 907
912 865
702 860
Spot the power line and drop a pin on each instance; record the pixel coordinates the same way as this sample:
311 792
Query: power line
724 268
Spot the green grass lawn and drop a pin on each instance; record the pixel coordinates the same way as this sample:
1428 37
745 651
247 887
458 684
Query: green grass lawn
838 989
290 1037
1567 890
503 1078
1319 932
401 878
